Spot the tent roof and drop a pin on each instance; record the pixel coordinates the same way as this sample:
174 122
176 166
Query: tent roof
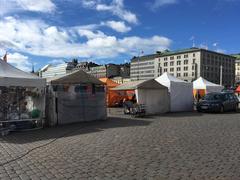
76 77
203 83
167 77
143 84
109 82
11 76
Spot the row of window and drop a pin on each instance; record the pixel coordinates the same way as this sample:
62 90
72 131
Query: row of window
146 67
185 62
142 64
185 68
178 57
142 76
212 56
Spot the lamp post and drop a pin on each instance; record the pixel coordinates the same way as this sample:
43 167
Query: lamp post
138 64
138 67
221 74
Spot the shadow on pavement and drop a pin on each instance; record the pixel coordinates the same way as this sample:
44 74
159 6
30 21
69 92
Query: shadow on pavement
71 130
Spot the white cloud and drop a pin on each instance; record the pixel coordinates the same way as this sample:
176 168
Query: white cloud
116 7
20 61
221 51
12 6
40 6
159 3
118 26
38 38
215 44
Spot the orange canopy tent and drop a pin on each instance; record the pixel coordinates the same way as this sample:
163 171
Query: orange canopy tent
114 98
238 89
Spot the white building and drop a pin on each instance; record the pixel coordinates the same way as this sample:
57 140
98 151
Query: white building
237 69
49 70
186 64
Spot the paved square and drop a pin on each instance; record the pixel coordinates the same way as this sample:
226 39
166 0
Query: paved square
172 146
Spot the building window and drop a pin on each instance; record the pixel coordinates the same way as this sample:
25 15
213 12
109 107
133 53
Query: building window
178 74
165 59
185 74
165 70
193 61
172 58
185 56
178 57
193 67
171 69
185 61
165 64
178 62
178 69
171 63
194 55
193 74
185 68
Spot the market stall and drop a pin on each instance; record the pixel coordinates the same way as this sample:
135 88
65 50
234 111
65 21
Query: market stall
75 97
113 98
201 86
22 98
181 98
153 95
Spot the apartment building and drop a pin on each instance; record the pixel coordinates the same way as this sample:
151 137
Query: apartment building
237 69
144 67
186 64
110 70
49 70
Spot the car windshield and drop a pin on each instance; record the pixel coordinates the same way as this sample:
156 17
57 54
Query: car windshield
212 97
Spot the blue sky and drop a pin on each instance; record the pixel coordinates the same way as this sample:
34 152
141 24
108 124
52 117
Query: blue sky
104 31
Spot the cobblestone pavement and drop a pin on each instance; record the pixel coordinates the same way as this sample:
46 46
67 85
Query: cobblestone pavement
172 146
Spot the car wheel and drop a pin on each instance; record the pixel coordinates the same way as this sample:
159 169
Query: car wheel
221 109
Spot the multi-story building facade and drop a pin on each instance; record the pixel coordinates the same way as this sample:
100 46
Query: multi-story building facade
237 68
144 67
109 71
124 70
187 64
49 71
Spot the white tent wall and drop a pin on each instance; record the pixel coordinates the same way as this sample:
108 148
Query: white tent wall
181 92
181 96
155 100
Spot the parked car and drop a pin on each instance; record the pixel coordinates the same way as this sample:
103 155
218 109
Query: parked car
218 102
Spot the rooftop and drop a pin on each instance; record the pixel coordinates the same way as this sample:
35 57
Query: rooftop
169 53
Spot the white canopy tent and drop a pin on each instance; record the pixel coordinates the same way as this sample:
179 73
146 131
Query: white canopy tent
181 97
154 95
11 76
203 84
22 97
